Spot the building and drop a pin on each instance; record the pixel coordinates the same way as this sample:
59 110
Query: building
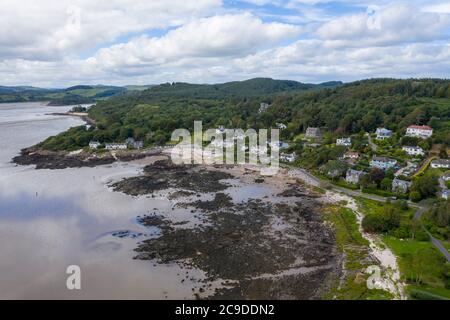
383 163
279 145
413 151
423 132
344 142
94 144
383 133
281 126
263 106
353 176
313 132
401 186
445 194
440 164
116 146
351 155
446 176
288 157
132 143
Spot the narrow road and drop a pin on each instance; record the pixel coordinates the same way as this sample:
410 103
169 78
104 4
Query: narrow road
372 145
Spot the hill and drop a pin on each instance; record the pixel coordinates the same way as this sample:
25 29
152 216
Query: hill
154 113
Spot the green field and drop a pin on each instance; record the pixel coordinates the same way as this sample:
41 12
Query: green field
422 266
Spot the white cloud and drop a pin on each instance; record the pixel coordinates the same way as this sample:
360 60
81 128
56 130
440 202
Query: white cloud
46 29
202 41
393 24
217 36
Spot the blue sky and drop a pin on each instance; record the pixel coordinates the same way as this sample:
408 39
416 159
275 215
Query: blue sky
60 43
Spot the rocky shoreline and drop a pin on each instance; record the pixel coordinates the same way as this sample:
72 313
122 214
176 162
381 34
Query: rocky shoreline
271 247
45 159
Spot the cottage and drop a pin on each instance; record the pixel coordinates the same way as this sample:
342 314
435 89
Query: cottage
383 133
263 107
383 163
400 185
313 132
132 143
116 146
351 155
288 157
413 151
440 164
353 176
445 194
94 144
281 126
347 142
446 176
423 132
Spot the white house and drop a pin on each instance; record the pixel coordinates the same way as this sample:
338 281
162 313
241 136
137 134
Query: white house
383 133
446 176
445 194
413 151
313 132
281 126
288 157
94 144
263 107
423 132
440 164
353 176
344 142
400 185
116 146
383 163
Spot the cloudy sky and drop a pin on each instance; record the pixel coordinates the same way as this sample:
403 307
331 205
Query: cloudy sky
57 43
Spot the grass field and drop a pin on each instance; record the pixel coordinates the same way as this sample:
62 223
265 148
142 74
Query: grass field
355 248
421 266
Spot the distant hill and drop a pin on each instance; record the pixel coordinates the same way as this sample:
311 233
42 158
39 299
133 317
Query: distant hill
257 87
79 94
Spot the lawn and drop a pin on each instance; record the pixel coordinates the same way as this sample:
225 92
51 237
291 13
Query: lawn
355 248
421 265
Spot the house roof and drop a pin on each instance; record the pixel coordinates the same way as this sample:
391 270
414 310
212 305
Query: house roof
441 161
420 127
383 159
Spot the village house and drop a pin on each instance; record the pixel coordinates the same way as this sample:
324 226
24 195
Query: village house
313 132
288 157
263 106
445 194
400 185
351 155
132 143
281 126
413 151
383 163
353 176
423 132
344 142
383 133
446 176
440 164
116 146
94 144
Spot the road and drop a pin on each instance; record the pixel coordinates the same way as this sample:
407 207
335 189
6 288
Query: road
372 145
317 182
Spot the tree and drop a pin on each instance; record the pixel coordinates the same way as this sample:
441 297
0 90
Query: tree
386 184
427 185
376 175
415 196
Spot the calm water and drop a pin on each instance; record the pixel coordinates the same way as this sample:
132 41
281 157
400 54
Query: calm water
50 219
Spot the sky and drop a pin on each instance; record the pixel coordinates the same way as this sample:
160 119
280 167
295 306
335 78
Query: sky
59 43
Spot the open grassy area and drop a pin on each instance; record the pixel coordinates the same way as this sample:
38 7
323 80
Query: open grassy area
355 248
422 267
